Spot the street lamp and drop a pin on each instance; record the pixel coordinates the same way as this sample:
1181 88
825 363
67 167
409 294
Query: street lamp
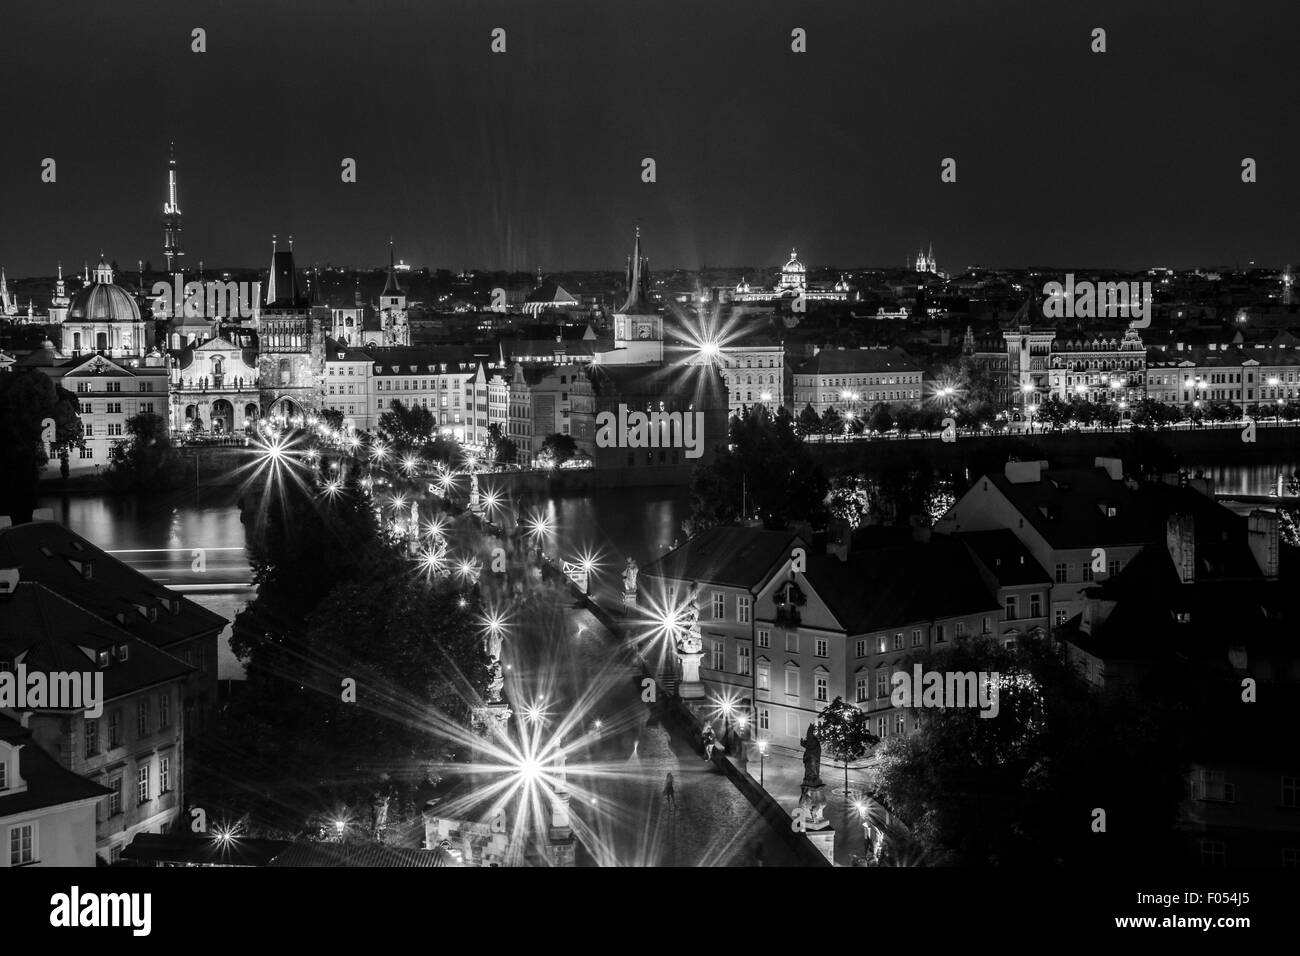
762 753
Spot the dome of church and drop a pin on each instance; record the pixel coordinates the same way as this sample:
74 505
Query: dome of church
102 301
794 265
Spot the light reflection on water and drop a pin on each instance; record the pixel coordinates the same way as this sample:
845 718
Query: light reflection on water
613 524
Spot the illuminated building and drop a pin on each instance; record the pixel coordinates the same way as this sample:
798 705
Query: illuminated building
855 380
348 384
60 303
1099 367
638 326
104 318
158 652
290 341
394 329
791 282
8 302
214 387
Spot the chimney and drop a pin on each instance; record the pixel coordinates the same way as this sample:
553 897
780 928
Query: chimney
1025 472
1263 535
839 536
1180 539
1114 467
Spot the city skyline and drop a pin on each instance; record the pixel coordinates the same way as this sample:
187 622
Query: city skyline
530 164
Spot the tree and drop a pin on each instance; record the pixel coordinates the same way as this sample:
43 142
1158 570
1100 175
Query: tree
145 458
410 427
768 470
559 448
1108 414
809 422
1149 413
832 422
332 418
28 399
842 729
1055 413
881 419
501 450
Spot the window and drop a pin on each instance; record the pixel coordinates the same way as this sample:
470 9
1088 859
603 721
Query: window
717 649
862 691
792 642
988 626
1058 615
114 729
898 641
900 724
916 637
719 605
881 643
742 608
764 675
1290 857
164 774
4 776
1087 572
1035 605
22 844
792 683
821 647
1012 603
764 637
882 683
1112 568
744 660
1213 853
1062 573
164 710
1290 791
960 627
142 728
822 688
861 648
882 727
939 635
115 796
92 737
142 785
764 718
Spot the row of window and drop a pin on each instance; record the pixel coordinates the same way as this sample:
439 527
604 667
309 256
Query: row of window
793 721
143 786
111 386
145 723
1065 572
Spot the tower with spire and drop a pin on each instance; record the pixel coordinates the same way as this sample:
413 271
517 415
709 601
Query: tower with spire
172 250
392 307
60 302
638 326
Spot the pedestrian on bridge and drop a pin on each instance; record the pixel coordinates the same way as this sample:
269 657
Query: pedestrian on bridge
669 794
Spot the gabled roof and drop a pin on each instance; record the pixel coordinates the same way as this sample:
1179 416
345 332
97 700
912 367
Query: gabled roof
893 586
732 557
1070 507
862 361
48 632
49 784
1005 557
48 553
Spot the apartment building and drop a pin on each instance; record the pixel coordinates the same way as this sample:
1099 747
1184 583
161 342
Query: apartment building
855 380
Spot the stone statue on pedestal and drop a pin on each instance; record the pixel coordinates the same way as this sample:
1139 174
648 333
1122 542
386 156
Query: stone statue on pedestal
629 576
690 639
812 758
812 792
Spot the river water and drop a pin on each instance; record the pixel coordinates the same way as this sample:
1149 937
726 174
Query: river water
159 535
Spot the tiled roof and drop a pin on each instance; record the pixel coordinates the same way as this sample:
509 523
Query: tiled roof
48 553
1005 557
900 584
48 783
857 362
1069 508
734 557
48 632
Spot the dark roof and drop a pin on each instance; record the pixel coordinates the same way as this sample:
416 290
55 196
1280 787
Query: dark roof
1005 557
48 553
282 291
48 632
862 361
350 352
892 586
423 359
735 557
49 784
1069 507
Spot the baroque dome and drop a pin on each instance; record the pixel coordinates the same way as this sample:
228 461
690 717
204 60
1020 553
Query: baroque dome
102 301
794 265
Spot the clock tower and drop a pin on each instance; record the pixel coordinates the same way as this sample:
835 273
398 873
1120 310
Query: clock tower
638 327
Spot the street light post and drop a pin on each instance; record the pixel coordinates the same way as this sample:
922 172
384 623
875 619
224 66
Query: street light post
762 753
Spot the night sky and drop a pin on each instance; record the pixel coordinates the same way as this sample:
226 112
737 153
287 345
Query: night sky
532 158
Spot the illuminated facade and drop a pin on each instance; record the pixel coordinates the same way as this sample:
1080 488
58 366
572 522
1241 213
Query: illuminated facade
213 388
638 326
104 318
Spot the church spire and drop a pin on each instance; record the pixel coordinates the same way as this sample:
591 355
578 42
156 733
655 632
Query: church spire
638 281
392 287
